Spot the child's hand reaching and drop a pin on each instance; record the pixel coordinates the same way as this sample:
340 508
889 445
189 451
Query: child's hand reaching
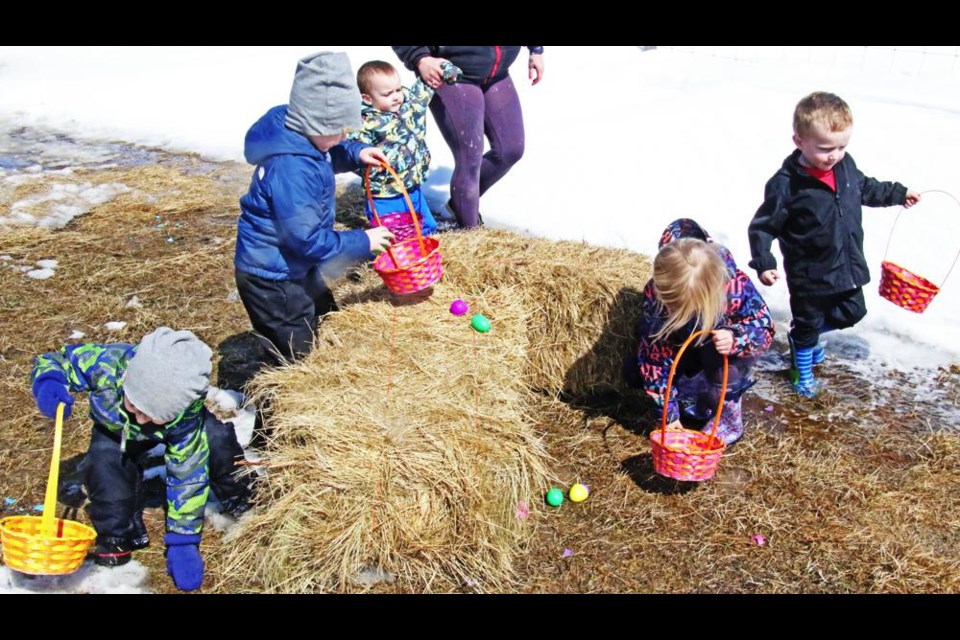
380 238
912 198
374 156
723 341
769 276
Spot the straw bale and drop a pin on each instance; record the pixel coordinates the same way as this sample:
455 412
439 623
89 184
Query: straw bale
401 443
583 301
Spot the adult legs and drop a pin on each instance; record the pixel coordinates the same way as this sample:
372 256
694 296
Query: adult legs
458 110
503 126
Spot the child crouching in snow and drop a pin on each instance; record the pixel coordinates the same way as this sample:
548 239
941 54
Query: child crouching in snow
140 396
696 285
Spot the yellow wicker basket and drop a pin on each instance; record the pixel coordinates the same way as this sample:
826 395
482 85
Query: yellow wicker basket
46 545
27 550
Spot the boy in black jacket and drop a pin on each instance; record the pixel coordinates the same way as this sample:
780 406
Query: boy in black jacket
813 206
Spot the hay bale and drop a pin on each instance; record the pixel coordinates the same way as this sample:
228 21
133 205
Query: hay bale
403 443
400 443
583 301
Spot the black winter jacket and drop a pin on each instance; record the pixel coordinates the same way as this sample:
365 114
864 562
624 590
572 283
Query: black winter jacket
480 65
820 232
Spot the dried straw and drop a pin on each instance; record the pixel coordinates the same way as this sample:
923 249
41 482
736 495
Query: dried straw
401 443
583 301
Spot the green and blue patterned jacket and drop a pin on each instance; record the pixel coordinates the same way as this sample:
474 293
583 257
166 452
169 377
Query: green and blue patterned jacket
98 369
402 136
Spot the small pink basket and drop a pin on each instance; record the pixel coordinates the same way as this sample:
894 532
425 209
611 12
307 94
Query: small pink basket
400 224
408 265
903 287
685 454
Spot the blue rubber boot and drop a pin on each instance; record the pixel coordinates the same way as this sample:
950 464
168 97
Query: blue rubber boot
818 354
801 370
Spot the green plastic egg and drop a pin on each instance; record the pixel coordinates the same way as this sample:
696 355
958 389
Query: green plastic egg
480 323
554 497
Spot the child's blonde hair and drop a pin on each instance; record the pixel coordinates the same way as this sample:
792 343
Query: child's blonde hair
824 108
368 70
690 279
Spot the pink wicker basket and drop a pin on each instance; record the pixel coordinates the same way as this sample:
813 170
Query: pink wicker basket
400 224
685 454
409 265
903 287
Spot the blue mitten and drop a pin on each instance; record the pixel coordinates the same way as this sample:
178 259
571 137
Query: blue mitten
49 392
184 563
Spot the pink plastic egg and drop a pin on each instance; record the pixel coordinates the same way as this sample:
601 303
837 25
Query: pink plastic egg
459 307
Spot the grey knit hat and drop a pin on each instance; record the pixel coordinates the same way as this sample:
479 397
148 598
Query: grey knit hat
324 99
169 371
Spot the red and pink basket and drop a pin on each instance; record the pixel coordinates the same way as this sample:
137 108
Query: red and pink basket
409 264
901 286
686 454
401 225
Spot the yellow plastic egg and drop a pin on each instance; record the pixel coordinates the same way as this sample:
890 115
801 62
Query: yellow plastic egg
578 493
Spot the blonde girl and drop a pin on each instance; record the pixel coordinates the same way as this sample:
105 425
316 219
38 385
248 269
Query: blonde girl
696 285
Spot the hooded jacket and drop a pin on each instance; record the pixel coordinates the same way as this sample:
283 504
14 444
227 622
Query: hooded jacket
746 316
287 216
480 65
820 231
402 137
98 369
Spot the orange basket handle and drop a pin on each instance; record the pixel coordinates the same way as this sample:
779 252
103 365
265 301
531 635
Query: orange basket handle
673 370
406 196
895 220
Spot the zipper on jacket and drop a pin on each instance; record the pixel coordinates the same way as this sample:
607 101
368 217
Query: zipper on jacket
496 65
836 193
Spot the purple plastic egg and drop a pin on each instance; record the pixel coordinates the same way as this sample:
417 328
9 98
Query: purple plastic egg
459 307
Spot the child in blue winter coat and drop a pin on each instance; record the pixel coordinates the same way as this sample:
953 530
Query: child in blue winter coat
696 285
286 241
140 396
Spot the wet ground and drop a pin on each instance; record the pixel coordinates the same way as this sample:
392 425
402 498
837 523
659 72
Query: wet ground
31 150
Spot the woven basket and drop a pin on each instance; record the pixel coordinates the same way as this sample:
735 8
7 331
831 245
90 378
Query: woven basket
46 545
905 288
27 550
901 286
409 265
685 454
401 225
